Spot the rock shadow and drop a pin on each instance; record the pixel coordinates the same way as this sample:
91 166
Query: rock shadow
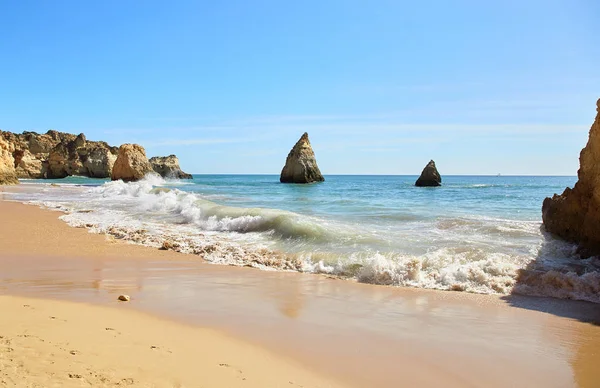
559 282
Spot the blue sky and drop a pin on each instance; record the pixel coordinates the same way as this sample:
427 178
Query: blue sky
381 87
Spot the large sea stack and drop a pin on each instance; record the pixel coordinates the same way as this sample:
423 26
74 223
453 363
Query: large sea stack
8 175
430 177
575 214
168 167
301 164
131 164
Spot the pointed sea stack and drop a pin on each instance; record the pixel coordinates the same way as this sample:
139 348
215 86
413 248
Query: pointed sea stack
575 214
301 165
430 177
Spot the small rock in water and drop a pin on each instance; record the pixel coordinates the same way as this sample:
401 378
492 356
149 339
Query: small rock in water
430 177
124 298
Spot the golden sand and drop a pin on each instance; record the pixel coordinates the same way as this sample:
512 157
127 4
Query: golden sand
45 343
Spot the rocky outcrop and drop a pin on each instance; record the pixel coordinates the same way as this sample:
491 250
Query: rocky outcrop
81 157
131 164
27 165
430 177
58 154
8 175
168 167
301 164
575 214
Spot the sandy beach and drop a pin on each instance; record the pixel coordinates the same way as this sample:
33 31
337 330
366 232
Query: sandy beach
48 343
195 324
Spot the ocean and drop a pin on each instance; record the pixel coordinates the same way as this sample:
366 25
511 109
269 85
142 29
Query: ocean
479 234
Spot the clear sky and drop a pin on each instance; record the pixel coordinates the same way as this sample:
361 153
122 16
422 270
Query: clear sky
382 87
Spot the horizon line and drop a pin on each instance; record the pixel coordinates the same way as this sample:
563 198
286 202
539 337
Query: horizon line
451 175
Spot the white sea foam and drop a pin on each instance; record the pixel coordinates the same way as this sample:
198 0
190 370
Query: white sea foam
473 254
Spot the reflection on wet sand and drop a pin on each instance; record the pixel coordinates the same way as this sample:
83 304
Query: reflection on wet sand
586 358
369 335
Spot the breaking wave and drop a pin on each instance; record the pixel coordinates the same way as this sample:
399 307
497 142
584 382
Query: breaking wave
473 254
190 208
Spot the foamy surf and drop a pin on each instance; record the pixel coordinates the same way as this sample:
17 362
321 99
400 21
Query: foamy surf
472 253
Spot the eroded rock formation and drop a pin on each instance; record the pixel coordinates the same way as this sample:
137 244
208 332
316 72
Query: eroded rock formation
301 164
168 167
57 155
8 175
131 164
575 214
430 176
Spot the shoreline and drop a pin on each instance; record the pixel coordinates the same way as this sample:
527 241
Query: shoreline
291 313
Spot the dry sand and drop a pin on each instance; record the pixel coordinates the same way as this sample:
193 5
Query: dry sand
286 327
46 343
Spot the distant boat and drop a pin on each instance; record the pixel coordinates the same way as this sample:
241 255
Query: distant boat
499 174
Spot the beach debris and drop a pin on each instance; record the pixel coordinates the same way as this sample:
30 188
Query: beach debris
131 164
124 298
169 246
575 214
430 177
301 164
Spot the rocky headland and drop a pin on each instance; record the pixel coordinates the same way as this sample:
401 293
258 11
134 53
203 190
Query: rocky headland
168 167
301 164
575 214
58 155
55 155
430 177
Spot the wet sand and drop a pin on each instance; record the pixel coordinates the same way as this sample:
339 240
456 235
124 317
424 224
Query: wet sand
360 335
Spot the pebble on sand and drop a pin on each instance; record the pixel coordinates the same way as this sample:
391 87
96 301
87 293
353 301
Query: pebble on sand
124 298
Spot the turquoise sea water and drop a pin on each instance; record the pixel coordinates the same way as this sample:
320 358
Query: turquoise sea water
475 233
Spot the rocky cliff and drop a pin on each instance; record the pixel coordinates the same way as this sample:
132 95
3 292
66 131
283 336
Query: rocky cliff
58 154
430 177
8 175
575 214
131 164
301 164
168 167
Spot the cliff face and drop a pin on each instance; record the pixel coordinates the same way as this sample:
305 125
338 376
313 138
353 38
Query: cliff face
575 214
301 164
57 155
8 175
131 164
168 167
430 176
